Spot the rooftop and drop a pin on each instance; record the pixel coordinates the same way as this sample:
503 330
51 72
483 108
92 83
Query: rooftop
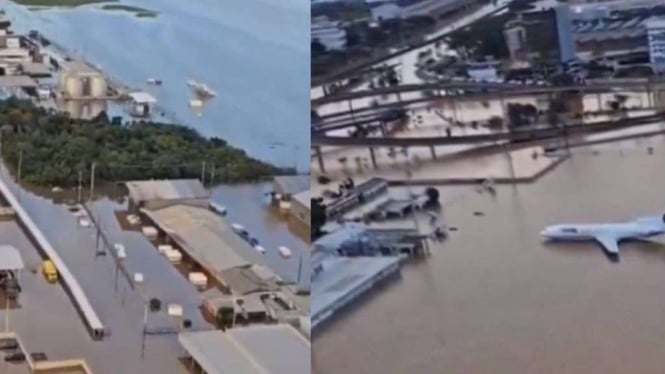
173 189
291 184
206 237
17 81
10 258
257 349
304 198
341 276
142 98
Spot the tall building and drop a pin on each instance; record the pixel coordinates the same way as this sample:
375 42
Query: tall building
656 37
545 35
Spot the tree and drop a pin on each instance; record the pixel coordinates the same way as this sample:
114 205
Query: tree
318 220
432 197
318 48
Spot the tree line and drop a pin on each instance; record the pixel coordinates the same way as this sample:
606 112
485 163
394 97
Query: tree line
53 148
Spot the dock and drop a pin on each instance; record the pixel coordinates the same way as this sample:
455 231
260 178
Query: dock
69 282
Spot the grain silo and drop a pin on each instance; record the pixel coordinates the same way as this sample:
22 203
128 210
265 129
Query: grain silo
80 81
73 86
99 86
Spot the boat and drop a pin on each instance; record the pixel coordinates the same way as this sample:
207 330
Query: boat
154 82
201 89
285 252
260 249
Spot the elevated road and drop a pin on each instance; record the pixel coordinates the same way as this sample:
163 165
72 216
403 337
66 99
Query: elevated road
519 135
485 88
67 279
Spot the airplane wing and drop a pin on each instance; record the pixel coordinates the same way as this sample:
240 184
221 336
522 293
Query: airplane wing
609 243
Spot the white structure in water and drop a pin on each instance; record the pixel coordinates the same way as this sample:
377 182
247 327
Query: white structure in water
608 235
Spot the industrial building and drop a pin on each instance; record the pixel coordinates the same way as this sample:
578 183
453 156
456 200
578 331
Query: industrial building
254 291
157 194
403 9
266 349
81 81
338 281
544 35
300 212
285 186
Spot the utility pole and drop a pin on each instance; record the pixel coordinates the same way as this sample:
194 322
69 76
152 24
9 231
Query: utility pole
212 174
203 173
80 186
20 166
92 180
299 269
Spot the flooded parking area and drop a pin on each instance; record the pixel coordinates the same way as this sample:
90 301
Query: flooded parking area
494 298
43 314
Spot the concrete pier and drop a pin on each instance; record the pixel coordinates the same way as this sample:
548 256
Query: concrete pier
70 284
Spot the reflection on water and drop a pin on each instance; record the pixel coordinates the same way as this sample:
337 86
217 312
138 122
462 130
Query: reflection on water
494 299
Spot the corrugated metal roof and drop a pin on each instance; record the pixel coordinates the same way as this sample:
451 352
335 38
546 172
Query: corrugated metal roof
15 81
257 349
206 237
244 281
172 189
304 198
291 184
10 258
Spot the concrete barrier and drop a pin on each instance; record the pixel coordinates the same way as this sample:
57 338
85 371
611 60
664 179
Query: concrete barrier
69 282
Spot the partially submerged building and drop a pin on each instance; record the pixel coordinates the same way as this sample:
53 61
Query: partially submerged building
179 210
285 186
300 210
338 281
264 349
156 194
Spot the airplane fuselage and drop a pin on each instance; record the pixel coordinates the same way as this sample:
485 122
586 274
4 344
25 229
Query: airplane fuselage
608 235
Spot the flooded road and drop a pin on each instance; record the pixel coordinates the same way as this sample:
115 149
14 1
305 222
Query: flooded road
259 67
495 299
248 205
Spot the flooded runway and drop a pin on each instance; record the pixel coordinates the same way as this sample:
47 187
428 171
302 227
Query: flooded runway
495 299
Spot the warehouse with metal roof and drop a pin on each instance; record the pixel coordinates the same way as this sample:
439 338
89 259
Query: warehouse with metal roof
256 349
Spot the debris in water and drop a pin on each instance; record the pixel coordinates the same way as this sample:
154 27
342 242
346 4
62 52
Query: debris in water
478 214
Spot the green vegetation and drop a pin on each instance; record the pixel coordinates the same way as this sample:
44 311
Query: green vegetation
482 38
224 317
58 3
55 148
138 11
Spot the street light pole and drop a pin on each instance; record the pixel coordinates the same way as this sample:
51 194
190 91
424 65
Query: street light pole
92 180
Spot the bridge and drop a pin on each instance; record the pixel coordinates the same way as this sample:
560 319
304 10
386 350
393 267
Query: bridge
483 89
532 136
69 282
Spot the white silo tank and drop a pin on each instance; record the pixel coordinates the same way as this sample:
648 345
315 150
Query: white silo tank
74 86
98 86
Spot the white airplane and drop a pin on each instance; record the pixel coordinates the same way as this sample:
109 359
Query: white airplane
608 235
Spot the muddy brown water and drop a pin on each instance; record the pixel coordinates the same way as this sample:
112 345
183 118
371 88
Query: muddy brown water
495 299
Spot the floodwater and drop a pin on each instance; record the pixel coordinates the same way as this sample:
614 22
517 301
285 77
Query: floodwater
495 299
255 55
119 307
